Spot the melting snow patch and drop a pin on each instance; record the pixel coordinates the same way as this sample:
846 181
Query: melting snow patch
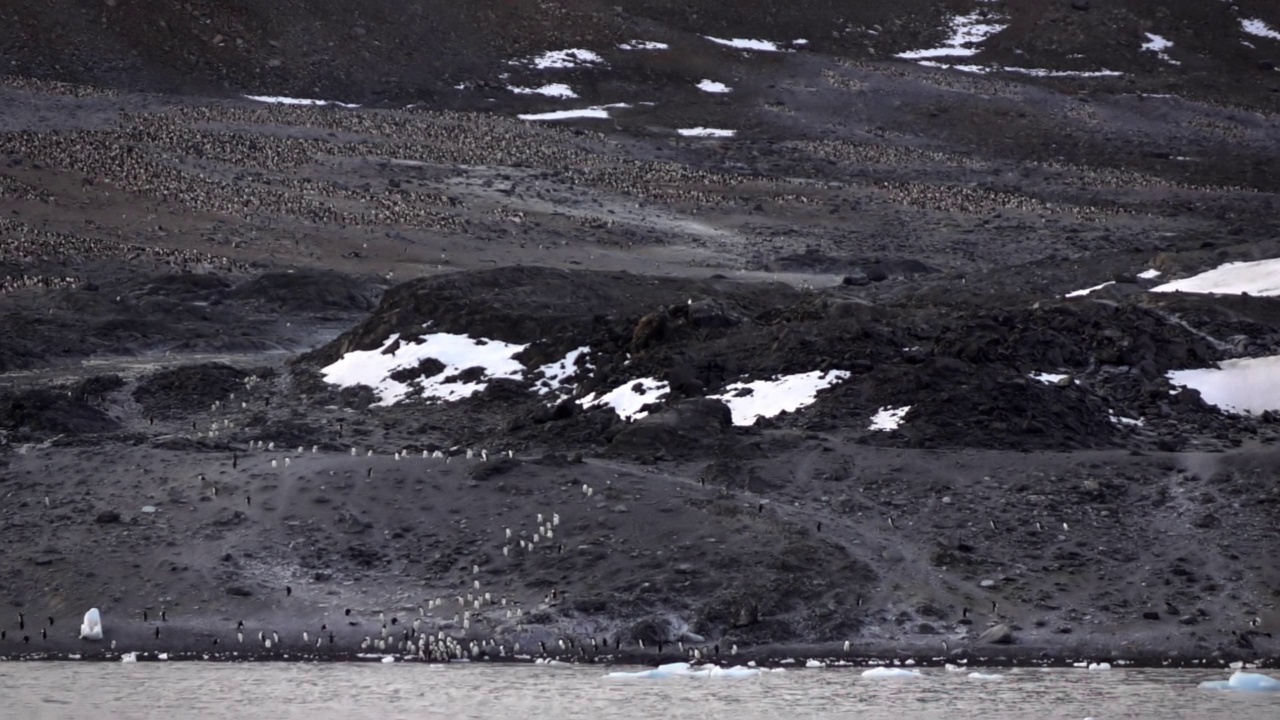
563 59
886 673
375 368
598 112
1120 420
1244 682
706 132
644 45
1033 72
1249 385
1086 291
627 400
276 100
768 398
712 86
889 418
557 374
1259 28
1158 45
966 31
556 90
1149 274
746 44
1048 378
1260 277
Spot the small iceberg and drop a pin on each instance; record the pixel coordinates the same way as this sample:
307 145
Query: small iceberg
91 627
684 669
1241 681
884 673
129 657
985 676
1100 666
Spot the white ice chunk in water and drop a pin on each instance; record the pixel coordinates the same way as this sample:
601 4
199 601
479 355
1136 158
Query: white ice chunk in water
91 626
891 673
769 398
1241 681
746 44
985 676
684 669
626 400
1100 666
811 663
1259 277
712 86
1245 385
706 132
889 418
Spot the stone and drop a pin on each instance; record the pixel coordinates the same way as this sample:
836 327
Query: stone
997 635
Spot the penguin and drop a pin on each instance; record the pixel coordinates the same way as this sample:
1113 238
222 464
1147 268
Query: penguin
240 625
819 526
144 616
288 591
164 616
22 621
44 633
892 524
994 606
964 613
992 523
348 612
157 632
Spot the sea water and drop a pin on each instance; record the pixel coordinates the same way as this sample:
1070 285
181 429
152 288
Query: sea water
154 690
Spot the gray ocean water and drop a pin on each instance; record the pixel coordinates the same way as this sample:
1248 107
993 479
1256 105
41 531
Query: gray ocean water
173 691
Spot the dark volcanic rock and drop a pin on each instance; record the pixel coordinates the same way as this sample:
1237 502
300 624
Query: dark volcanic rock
188 388
687 429
51 411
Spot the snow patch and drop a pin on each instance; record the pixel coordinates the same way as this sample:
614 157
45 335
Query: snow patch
598 112
1159 45
456 352
1086 291
706 132
1259 277
1149 274
712 86
966 31
1033 72
278 100
555 90
556 374
1259 28
1248 385
1048 378
644 45
746 44
561 59
626 400
768 398
889 418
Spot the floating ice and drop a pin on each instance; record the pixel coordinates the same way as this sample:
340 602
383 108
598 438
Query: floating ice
1158 45
1246 385
706 132
562 59
277 100
811 663
712 86
555 90
597 112
888 673
557 374
746 44
129 657
889 418
966 31
375 368
772 397
626 400
1088 290
91 626
1241 681
683 669
643 45
388 659
985 676
1048 378
1149 274
1259 277
1259 28
1100 666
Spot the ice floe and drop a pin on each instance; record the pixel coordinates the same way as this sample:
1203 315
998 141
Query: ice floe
889 418
768 398
555 90
746 44
598 112
891 673
91 626
129 657
1099 666
1159 45
626 400
1241 681
1258 28
1088 290
562 59
966 31
375 368
1246 385
706 132
685 670
278 100
1258 277
712 86
985 676
644 45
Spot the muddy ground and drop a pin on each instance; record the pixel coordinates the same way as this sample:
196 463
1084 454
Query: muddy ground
178 268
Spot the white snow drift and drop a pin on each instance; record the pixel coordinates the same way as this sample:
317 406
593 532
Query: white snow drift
1159 45
1260 277
746 44
889 418
966 32
1250 385
277 100
555 90
562 59
644 45
626 400
712 86
1258 28
596 112
706 132
1088 290
768 398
